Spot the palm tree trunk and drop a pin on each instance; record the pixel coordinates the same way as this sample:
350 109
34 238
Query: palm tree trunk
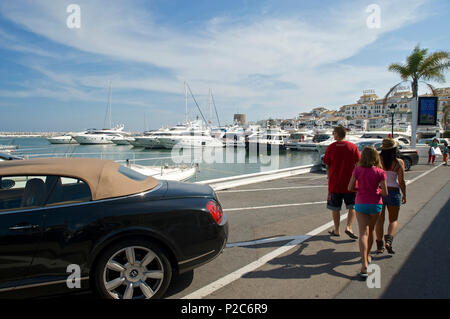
414 106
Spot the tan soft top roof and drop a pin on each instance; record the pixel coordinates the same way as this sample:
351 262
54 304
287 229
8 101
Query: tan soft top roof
102 176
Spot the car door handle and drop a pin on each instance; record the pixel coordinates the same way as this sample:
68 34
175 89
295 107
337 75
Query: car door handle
23 227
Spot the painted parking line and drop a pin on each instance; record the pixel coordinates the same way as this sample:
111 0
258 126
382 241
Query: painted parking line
266 241
272 189
227 279
272 206
305 177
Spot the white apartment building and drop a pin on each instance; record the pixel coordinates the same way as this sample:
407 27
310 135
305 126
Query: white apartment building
369 105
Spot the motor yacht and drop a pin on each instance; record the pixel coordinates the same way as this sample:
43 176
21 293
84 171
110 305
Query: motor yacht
299 137
153 139
270 138
196 135
122 140
319 137
166 172
62 139
8 148
234 137
102 136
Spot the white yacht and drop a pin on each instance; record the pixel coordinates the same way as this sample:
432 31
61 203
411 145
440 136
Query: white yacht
319 137
62 139
152 139
299 137
122 140
322 146
234 137
194 139
175 173
193 135
270 138
8 148
103 136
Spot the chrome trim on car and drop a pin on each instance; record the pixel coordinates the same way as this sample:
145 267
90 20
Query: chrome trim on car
38 285
81 203
195 258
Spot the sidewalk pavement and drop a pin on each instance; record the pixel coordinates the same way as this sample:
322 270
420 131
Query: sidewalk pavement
420 267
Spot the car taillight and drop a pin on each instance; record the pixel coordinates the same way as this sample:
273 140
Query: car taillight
215 210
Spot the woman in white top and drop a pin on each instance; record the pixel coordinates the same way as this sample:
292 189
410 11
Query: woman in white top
395 173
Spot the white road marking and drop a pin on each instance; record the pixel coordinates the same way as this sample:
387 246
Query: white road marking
304 177
226 280
272 206
264 241
271 189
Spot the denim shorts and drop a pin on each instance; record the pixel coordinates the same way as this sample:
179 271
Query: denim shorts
394 197
368 209
334 201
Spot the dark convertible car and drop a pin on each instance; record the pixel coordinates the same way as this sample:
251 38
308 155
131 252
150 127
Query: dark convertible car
68 224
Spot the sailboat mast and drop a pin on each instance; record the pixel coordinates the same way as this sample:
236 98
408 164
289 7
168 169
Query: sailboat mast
109 103
185 101
215 108
210 107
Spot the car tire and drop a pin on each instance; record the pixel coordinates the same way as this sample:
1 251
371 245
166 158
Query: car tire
132 269
408 164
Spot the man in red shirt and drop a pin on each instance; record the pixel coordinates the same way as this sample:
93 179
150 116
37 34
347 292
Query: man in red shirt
340 159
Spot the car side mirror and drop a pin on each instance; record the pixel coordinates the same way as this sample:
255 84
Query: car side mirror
7 184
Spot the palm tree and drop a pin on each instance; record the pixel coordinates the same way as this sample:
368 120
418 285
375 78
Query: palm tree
420 67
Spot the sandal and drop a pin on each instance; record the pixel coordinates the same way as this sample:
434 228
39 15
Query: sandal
380 246
332 233
363 274
388 239
351 235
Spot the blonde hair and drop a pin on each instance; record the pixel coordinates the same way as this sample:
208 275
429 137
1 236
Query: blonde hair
370 157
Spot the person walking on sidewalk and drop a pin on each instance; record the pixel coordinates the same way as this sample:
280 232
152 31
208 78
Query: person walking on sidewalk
445 153
368 202
395 172
431 154
340 160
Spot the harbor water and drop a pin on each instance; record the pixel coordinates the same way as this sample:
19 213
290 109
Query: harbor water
211 163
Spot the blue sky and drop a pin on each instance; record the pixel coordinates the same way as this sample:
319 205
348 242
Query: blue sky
263 58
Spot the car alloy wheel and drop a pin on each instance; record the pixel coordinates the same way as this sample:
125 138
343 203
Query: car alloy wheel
134 271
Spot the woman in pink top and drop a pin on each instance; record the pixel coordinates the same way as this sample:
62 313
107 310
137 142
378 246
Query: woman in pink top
368 202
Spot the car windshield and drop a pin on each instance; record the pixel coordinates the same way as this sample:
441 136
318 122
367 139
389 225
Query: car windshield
130 173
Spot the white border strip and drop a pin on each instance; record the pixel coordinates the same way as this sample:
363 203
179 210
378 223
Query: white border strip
272 206
272 189
224 281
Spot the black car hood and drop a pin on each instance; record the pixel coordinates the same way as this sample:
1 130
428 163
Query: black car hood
183 190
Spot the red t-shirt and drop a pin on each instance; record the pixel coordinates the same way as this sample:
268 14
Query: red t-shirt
341 157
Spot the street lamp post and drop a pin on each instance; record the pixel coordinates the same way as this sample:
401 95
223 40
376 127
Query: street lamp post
393 107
